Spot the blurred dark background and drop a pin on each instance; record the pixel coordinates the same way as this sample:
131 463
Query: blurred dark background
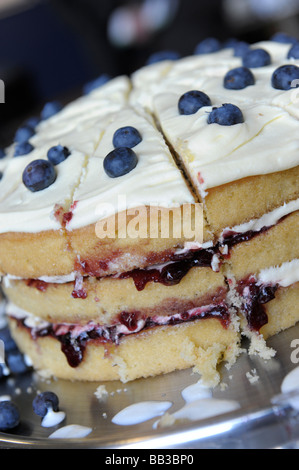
51 48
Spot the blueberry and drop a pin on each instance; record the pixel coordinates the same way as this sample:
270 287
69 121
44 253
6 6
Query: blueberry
226 115
283 38
207 46
32 122
9 415
294 51
191 101
2 153
96 83
23 134
256 58
120 161
283 77
50 109
1 371
23 149
58 154
238 78
126 137
45 401
39 175
15 362
9 343
230 43
162 55
241 49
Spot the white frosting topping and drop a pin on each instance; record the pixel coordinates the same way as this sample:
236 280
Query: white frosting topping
213 155
155 181
22 210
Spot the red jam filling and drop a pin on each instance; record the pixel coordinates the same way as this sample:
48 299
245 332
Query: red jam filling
254 299
73 346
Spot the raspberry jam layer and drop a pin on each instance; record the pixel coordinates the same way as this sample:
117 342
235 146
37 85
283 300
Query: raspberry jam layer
255 297
172 273
176 266
74 338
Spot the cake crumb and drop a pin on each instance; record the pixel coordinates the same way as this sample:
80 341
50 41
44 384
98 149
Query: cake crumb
252 376
101 392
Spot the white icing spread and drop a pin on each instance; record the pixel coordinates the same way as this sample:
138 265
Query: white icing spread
213 155
267 220
52 418
284 275
49 279
196 392
71 431
140 412
205 408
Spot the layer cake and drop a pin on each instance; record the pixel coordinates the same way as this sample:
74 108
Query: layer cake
99 286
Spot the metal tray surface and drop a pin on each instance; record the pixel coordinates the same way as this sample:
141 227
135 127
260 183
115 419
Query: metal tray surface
260 422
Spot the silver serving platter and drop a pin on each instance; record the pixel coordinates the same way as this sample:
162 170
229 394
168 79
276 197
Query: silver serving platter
262 421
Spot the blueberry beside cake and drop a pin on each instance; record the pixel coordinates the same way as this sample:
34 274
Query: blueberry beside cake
99 286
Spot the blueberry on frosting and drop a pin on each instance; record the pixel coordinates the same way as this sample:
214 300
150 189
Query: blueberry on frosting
96 83
45 401
283 38
238 78
294 51
119 162
32 122
191 101
50 109
256 58
162 55
2 153
226 115
127 136
58 154
39 175
208 46
23 134
283 78
23 149
241 48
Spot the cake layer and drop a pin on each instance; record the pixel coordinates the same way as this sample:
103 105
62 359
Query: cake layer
92 300
84 251
252 196
283 311
201 344
271 247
